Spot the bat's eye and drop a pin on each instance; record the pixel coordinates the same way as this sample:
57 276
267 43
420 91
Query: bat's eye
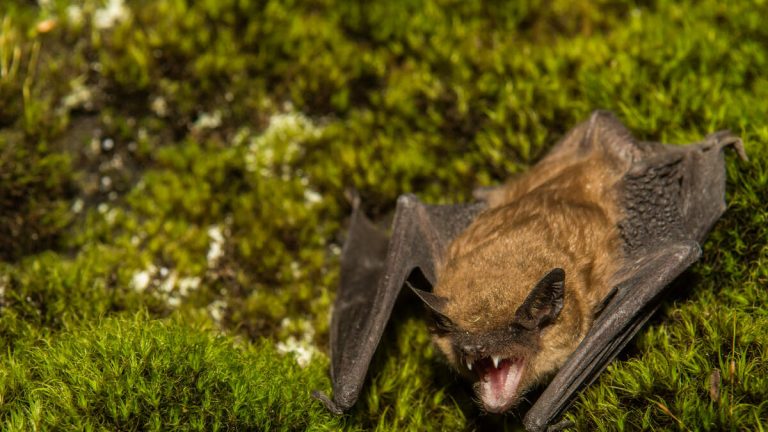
442 323
516 328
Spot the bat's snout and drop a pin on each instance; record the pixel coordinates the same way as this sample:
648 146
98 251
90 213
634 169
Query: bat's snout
473 350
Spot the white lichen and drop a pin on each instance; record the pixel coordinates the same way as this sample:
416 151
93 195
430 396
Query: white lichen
173 301
140 280
111 216
159 106
301 348
4 281
208 121
312 197
112 13
169 281
216 310
187 285
75 14
280 143
301 352
107 144
79 96
167 285
78 205
215 246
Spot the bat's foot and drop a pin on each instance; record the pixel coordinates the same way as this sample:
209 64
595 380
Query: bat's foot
561 425
329 404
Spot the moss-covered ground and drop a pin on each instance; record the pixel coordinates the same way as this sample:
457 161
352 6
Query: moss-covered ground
172 198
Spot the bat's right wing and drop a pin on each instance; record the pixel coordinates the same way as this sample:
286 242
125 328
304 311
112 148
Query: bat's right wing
373 270
635 300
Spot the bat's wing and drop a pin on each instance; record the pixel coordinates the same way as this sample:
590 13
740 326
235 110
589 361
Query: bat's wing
373 270
634 302
671 197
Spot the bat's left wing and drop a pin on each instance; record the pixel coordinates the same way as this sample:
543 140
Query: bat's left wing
672 196
373 270
634 302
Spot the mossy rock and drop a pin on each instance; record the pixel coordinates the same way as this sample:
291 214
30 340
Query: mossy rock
189 162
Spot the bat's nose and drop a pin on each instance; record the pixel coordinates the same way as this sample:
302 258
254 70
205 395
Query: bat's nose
473 349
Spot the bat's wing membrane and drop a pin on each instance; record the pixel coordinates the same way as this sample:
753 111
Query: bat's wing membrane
373 270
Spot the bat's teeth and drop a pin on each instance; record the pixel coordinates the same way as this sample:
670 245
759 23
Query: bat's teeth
495 361
469 363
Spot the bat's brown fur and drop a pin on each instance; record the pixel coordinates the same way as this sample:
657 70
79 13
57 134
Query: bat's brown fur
561 213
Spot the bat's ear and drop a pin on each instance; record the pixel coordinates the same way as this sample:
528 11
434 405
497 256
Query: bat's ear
434 302
543 304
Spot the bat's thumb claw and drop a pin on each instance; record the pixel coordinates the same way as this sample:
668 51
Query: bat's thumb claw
726 138
327 402
738 145
353 196
557 427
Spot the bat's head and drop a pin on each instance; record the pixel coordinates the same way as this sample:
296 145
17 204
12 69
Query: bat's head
502 358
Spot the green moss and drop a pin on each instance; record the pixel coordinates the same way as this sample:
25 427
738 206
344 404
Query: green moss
138 374
35 187
191 160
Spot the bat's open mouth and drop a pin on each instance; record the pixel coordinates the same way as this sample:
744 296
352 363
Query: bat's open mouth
498 383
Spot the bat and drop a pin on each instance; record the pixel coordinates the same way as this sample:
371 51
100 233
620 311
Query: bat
545 277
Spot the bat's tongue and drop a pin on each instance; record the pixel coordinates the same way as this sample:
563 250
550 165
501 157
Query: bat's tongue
498 385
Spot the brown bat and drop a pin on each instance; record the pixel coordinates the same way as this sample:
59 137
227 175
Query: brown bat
550 274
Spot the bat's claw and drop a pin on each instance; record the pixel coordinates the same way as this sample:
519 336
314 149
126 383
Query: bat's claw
726 138
561 425
353 197
329 404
